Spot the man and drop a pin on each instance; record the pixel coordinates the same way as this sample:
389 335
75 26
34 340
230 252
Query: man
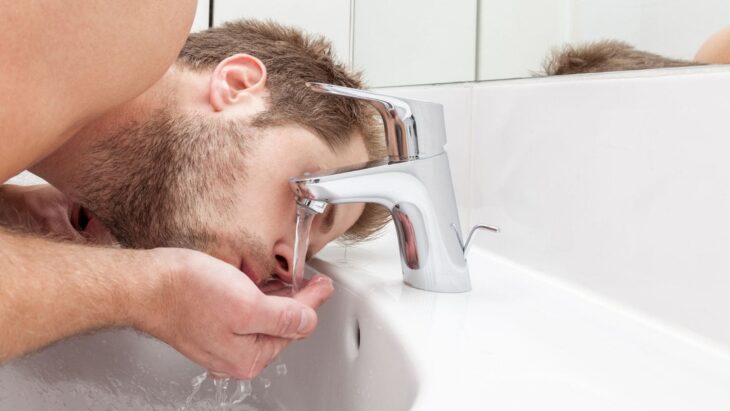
195 156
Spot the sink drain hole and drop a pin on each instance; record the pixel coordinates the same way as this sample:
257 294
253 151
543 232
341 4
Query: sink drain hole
357 335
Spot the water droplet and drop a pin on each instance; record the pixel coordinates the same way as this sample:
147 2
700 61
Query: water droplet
281 370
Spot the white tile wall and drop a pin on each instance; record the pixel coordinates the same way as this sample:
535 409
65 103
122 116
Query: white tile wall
516 35
330 18
201 16
674 28
619 183
409 42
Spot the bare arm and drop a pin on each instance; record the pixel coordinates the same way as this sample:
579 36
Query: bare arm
65 63
206 309
49 291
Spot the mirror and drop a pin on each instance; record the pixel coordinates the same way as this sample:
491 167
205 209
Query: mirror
515 37
409 42
412 42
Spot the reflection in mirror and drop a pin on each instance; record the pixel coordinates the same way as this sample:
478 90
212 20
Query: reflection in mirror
520 38
606 55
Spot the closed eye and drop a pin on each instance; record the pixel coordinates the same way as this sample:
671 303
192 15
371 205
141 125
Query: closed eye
328 220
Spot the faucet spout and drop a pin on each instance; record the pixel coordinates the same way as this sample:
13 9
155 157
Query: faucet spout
414 184
420 197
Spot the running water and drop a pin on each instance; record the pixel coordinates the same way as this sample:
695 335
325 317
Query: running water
243 390
228 393
221 399
197 382
301 244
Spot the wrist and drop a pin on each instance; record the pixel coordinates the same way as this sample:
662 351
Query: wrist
147 295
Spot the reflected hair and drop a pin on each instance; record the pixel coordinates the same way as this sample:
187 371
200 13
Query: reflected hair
602 56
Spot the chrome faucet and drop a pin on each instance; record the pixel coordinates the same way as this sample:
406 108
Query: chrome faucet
414 183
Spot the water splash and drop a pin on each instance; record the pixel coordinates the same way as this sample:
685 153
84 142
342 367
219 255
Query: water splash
301 243
197 383
228 392
221 385
242 392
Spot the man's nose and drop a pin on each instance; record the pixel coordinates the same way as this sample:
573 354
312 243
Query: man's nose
284 255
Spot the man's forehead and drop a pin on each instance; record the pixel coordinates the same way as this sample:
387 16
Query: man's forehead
354 149
351 150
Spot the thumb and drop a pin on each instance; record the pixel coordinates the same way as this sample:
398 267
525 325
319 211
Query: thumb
281 317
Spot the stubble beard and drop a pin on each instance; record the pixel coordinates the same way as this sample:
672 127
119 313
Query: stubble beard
163 183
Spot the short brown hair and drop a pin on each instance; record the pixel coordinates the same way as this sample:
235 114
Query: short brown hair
605 55
292 58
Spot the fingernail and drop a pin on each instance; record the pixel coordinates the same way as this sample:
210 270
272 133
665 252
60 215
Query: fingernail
304 321
320 278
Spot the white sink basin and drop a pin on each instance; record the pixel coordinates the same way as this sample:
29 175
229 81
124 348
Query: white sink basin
519 341
352 362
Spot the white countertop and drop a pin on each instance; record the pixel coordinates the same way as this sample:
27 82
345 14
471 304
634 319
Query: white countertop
524 341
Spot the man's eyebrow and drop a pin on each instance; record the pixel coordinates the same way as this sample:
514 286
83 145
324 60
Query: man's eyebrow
329 219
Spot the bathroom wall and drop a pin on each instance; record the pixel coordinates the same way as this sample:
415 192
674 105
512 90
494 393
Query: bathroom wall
617 183
515 35
202 16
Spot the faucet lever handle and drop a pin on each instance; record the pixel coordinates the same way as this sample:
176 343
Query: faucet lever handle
404 140
465 245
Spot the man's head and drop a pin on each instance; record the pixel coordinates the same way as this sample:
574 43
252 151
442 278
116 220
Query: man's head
202 160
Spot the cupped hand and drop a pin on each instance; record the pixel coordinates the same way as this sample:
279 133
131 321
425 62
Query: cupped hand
216 316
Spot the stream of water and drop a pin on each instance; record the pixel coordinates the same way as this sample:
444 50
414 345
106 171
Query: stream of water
301 243
222 398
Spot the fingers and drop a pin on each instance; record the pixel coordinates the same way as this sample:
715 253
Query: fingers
256 357
312 296
316 291
287 317
280 317
276 287
249 328
218 375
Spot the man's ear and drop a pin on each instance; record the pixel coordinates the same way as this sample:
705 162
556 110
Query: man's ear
238 83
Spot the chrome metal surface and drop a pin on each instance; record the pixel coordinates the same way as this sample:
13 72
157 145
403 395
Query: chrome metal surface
415 185
413 129
465 245
314 205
